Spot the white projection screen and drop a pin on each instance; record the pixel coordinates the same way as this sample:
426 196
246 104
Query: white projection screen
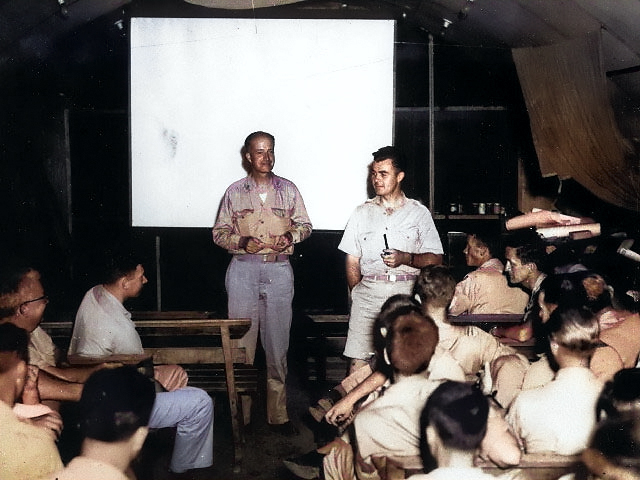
323 88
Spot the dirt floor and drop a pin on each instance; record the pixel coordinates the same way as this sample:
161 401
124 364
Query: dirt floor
264 450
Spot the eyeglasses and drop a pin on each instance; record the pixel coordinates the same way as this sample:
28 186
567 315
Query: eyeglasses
43 298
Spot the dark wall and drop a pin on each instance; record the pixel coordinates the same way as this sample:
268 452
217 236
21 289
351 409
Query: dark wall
64 169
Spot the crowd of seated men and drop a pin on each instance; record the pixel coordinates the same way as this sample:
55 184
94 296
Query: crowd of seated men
571 400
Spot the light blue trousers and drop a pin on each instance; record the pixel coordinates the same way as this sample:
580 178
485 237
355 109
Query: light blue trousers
263 292
191 411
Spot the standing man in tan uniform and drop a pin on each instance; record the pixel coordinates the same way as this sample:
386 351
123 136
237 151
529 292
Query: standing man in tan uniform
261 216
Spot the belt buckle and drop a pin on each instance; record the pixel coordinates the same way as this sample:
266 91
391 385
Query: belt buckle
392 278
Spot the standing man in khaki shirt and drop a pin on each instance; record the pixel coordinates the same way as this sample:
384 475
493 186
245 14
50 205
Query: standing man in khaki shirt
261 216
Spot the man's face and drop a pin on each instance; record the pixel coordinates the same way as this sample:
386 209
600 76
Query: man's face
385 178
135 281
33 302
517 271
474 252
260 155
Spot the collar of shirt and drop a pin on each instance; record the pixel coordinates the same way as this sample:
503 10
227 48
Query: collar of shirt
398 204
492 264
250 184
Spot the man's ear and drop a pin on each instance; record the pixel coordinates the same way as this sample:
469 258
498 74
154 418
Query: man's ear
400 176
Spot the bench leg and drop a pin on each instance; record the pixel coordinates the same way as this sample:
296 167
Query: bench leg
236 412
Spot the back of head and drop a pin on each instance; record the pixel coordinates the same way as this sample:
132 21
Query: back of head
14 346
119 262
487 239
458 412
575 329
621 395
564 289
404 338
115 403
435 286
615 449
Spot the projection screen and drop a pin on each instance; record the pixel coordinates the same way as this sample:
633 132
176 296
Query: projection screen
324 88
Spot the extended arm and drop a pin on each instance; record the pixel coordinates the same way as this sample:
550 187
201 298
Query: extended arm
415 260
342 410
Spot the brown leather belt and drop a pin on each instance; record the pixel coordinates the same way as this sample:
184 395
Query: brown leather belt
262 258
391 278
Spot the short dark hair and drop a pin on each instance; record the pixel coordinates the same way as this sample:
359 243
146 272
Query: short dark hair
458 411
14 339
618 440
252 136
490 241
119 263
435 285
115 403
621 394
390 153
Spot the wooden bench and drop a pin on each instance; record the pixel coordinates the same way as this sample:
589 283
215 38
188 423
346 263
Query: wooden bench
203 346
540 466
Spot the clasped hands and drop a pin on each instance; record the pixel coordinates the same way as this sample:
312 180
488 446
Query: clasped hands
278 243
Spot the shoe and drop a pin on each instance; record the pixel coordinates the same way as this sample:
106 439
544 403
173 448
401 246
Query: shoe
307 466
287 429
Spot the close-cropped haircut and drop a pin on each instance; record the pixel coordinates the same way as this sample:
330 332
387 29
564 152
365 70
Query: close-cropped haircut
252 136
11 276
15 340
576 329
489 240
458 412
563 289
119 263
406 334
389 153
435 286
115 403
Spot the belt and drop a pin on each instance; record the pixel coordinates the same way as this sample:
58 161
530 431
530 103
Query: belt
391 278
262 258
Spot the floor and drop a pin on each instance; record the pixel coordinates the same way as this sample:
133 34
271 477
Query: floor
264 450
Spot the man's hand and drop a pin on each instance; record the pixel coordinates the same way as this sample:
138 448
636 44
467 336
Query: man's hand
339 413
50 422
282 242
251 244
30 395
394 258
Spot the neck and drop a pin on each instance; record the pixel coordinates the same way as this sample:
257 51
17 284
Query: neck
566 360
530 281
115 291
448 457
119 454
439 314
261 178
393 198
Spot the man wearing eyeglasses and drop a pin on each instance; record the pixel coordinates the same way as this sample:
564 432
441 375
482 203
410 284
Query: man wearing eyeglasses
23 302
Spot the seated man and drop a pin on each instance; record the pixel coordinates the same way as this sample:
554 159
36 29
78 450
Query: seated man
22 302
115 408
26 451
560 416
103 326
485 290
453 424
472 347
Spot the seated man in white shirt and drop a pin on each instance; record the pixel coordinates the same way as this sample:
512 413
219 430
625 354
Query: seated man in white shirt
104 327
560 416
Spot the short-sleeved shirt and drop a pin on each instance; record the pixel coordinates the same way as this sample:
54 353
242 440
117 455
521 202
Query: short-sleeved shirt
103 327
486 290
244 213
409 228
